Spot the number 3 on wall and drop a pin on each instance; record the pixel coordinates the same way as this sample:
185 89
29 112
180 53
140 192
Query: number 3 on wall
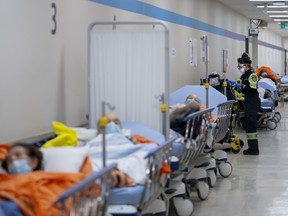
53 31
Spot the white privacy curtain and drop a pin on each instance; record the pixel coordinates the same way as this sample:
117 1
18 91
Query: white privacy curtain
127 69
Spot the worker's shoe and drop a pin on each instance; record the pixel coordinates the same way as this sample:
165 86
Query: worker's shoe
250 152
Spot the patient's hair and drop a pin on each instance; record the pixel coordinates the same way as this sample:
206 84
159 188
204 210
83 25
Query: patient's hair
110 117
31 151
192 96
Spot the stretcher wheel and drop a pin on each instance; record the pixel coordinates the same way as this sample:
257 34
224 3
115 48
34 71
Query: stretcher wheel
211 178
202 190
225 169
183 207
277 116
272 124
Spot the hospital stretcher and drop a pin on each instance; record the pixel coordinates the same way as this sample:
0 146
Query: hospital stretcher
284 82
184 149
223 108
135 200
143 159
88 197
267 117
199 170
185 177
195 139
143 197
127 200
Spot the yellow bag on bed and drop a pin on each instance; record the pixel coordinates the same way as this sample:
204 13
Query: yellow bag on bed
65 136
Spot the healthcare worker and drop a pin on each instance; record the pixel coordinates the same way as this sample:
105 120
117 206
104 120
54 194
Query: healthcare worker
248 87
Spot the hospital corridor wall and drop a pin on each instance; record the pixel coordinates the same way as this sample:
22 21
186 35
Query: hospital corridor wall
44 53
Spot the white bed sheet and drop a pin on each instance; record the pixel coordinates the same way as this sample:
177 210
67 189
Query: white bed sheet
128 156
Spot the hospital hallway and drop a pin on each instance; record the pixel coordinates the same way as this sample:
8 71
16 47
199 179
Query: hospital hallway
258 185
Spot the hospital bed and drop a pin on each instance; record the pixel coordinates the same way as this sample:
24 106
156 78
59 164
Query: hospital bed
142 197
195 139
200 170
186 177
223 108
284 82
283 86
88 197
269 117
142 163
184 150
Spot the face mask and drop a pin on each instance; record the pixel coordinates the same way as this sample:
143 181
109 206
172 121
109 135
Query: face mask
241 70
189 101
111 127
19 167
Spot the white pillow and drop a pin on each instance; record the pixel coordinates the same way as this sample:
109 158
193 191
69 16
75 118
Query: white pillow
84 134
64 159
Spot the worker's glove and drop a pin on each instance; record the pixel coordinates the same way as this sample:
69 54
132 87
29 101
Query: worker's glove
231 83
238 85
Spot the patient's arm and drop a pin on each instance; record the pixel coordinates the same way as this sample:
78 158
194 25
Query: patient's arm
120 179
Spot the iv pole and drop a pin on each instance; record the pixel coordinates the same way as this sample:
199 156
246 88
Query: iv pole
205 60
102 123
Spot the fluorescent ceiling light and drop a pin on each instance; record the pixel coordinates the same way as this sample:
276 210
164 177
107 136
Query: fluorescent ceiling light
268 0
277 11
272 6
279 3
278 16
280 20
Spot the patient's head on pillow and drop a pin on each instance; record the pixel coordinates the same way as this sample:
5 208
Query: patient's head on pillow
22 158
264 74
192 98
113 124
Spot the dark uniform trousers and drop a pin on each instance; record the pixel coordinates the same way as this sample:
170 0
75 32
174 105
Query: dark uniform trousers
252 105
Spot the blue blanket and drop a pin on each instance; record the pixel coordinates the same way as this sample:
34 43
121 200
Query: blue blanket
9 208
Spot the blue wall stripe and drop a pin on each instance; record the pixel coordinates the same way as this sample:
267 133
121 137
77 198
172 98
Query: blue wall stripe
168 16
263 43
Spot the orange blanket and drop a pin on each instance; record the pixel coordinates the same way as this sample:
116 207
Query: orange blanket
269 72
3 150
35 192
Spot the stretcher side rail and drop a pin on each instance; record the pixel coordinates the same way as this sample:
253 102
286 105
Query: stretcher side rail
155 180
197 125
223 120
85 197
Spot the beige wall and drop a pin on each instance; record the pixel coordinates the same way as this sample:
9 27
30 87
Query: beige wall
43 77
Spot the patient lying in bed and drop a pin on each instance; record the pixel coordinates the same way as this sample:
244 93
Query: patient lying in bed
123 150
179 111
114 126
32 189
29 189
